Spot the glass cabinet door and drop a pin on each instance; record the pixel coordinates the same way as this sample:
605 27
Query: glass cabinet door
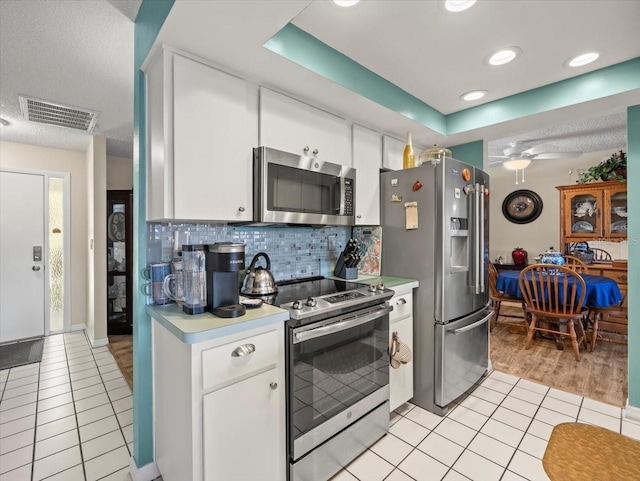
617 215
583 214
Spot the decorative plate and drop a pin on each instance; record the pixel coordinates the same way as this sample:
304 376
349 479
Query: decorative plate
619 227
522 206
582 226
116 226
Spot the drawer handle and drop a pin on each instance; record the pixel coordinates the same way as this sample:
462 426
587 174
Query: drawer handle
401 301
273 385
622 278
243 350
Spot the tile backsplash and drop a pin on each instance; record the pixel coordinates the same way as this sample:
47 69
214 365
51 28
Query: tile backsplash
294 251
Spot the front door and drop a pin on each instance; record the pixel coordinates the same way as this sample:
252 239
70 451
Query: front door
22 276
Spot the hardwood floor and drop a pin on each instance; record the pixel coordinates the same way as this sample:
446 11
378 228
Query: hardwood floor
599 375
121 348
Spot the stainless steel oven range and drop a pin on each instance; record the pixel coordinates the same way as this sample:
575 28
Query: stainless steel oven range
337 373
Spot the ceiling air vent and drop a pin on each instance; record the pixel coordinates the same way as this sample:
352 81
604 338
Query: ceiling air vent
43 111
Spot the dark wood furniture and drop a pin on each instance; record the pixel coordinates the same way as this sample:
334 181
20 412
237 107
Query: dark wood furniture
119 261
498 297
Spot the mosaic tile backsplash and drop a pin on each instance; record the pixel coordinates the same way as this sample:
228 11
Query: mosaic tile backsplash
294 251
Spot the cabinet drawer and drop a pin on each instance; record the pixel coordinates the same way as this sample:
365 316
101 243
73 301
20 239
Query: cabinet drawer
402 306
220 365
619 276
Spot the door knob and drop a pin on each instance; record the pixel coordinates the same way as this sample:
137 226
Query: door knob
35 268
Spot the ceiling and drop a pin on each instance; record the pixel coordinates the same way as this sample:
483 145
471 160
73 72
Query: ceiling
81 53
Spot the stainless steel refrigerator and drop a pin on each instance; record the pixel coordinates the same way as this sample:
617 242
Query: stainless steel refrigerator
435 228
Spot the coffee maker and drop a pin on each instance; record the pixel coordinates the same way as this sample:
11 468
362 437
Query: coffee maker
224 261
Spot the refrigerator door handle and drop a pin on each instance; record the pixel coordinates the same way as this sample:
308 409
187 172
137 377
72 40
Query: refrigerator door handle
476 244
464 329
481 241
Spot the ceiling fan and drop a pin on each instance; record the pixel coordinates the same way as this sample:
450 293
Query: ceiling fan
524 150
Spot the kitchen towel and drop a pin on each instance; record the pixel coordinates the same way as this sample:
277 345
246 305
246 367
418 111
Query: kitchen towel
399 352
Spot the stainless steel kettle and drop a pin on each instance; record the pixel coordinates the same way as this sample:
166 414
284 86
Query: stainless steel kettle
259 280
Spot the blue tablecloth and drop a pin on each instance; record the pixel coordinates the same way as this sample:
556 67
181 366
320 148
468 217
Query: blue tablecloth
601 291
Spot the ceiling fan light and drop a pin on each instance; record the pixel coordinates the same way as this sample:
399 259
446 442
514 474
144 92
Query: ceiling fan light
584 59
473 95
516 164
346 3
504 56
458 5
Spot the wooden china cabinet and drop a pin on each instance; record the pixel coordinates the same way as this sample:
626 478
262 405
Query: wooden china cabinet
595 212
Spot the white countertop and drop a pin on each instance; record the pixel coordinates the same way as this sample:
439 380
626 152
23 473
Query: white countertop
192 329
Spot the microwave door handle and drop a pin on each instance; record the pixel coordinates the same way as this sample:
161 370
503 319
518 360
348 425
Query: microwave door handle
341 326
343 190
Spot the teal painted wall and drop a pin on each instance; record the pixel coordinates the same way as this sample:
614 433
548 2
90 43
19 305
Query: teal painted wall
633 203
151 16
471 153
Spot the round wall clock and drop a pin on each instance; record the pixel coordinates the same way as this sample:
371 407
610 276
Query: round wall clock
115 227
522 206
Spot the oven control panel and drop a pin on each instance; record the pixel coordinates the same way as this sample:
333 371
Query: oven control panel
345 296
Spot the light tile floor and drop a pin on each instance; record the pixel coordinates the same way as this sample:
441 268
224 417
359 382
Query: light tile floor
498 433
70 418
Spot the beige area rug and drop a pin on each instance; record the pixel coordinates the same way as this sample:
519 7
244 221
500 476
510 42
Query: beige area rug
599 375
581 452
121 348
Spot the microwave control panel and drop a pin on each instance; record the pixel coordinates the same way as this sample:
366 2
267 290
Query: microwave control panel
348 197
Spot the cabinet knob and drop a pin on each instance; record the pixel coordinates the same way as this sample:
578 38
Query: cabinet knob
35 268
358 216
315 152
306 149
243 350
241 209
401 301
273 385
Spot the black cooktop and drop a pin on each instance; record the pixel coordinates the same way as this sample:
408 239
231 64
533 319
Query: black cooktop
301 289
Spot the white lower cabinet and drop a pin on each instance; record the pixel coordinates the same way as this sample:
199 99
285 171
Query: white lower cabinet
219 406
401 321
242 426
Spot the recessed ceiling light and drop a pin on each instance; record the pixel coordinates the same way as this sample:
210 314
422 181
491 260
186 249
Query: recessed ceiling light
583 59
345 3
504 56
457 5
473 95
3 122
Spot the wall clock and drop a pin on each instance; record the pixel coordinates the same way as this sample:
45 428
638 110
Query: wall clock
522 206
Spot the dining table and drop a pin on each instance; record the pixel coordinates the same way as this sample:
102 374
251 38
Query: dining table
600 291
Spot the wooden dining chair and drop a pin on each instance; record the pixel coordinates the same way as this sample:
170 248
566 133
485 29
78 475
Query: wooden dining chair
576 264
554 294
600 255
498 297
613 319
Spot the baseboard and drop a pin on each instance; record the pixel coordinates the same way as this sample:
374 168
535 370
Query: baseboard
148 472
78 327
95 343
631 412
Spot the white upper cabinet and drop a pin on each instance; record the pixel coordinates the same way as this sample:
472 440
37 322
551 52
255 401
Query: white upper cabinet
392 151
289 125
367 160
202 126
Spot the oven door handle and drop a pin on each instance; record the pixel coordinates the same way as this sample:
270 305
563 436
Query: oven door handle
341 326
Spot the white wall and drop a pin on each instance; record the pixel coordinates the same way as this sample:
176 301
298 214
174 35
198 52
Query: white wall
96 197
542 177
119 173
22 156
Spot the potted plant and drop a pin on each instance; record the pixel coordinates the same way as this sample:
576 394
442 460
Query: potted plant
613 168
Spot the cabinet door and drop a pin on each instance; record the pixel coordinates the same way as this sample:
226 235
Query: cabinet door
367 160
289 125
215 128
392 151
615 212
583 212
401 379
244 428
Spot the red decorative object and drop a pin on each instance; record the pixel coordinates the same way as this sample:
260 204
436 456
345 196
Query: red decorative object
519 256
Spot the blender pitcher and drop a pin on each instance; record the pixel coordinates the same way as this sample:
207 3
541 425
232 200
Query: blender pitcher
195 280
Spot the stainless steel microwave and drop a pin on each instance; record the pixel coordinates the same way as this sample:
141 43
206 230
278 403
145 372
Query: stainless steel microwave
299 189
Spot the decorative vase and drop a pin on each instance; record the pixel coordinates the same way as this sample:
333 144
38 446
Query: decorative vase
552 256
519 256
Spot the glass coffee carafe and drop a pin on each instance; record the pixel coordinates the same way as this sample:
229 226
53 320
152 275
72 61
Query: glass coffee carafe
195 278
